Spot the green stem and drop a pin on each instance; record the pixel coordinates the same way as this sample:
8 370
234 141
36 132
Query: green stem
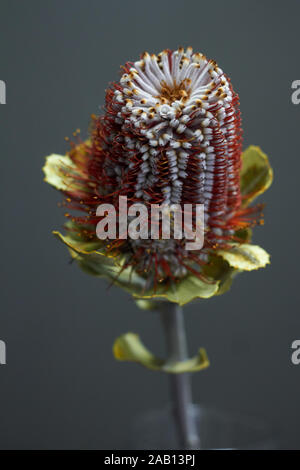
173 323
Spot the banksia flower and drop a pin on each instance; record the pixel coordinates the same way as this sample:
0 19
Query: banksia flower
170 135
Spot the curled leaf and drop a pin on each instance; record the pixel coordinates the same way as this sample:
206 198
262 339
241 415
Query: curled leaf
256 174
57 171
184 291
129 347
94 261
219 268
64 172
195 364
78 244
245 257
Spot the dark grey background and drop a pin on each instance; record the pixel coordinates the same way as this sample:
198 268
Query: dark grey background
61 387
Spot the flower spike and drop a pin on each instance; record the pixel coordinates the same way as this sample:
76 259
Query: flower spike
171 134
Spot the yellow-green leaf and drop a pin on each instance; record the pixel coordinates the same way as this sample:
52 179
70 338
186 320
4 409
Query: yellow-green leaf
57 170
195 364
184 291
95 262
129 347
245 257
220 270
79 245
256 174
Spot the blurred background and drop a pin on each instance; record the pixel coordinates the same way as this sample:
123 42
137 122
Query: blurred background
61 387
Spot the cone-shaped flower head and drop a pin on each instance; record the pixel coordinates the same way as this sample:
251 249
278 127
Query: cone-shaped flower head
171 134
